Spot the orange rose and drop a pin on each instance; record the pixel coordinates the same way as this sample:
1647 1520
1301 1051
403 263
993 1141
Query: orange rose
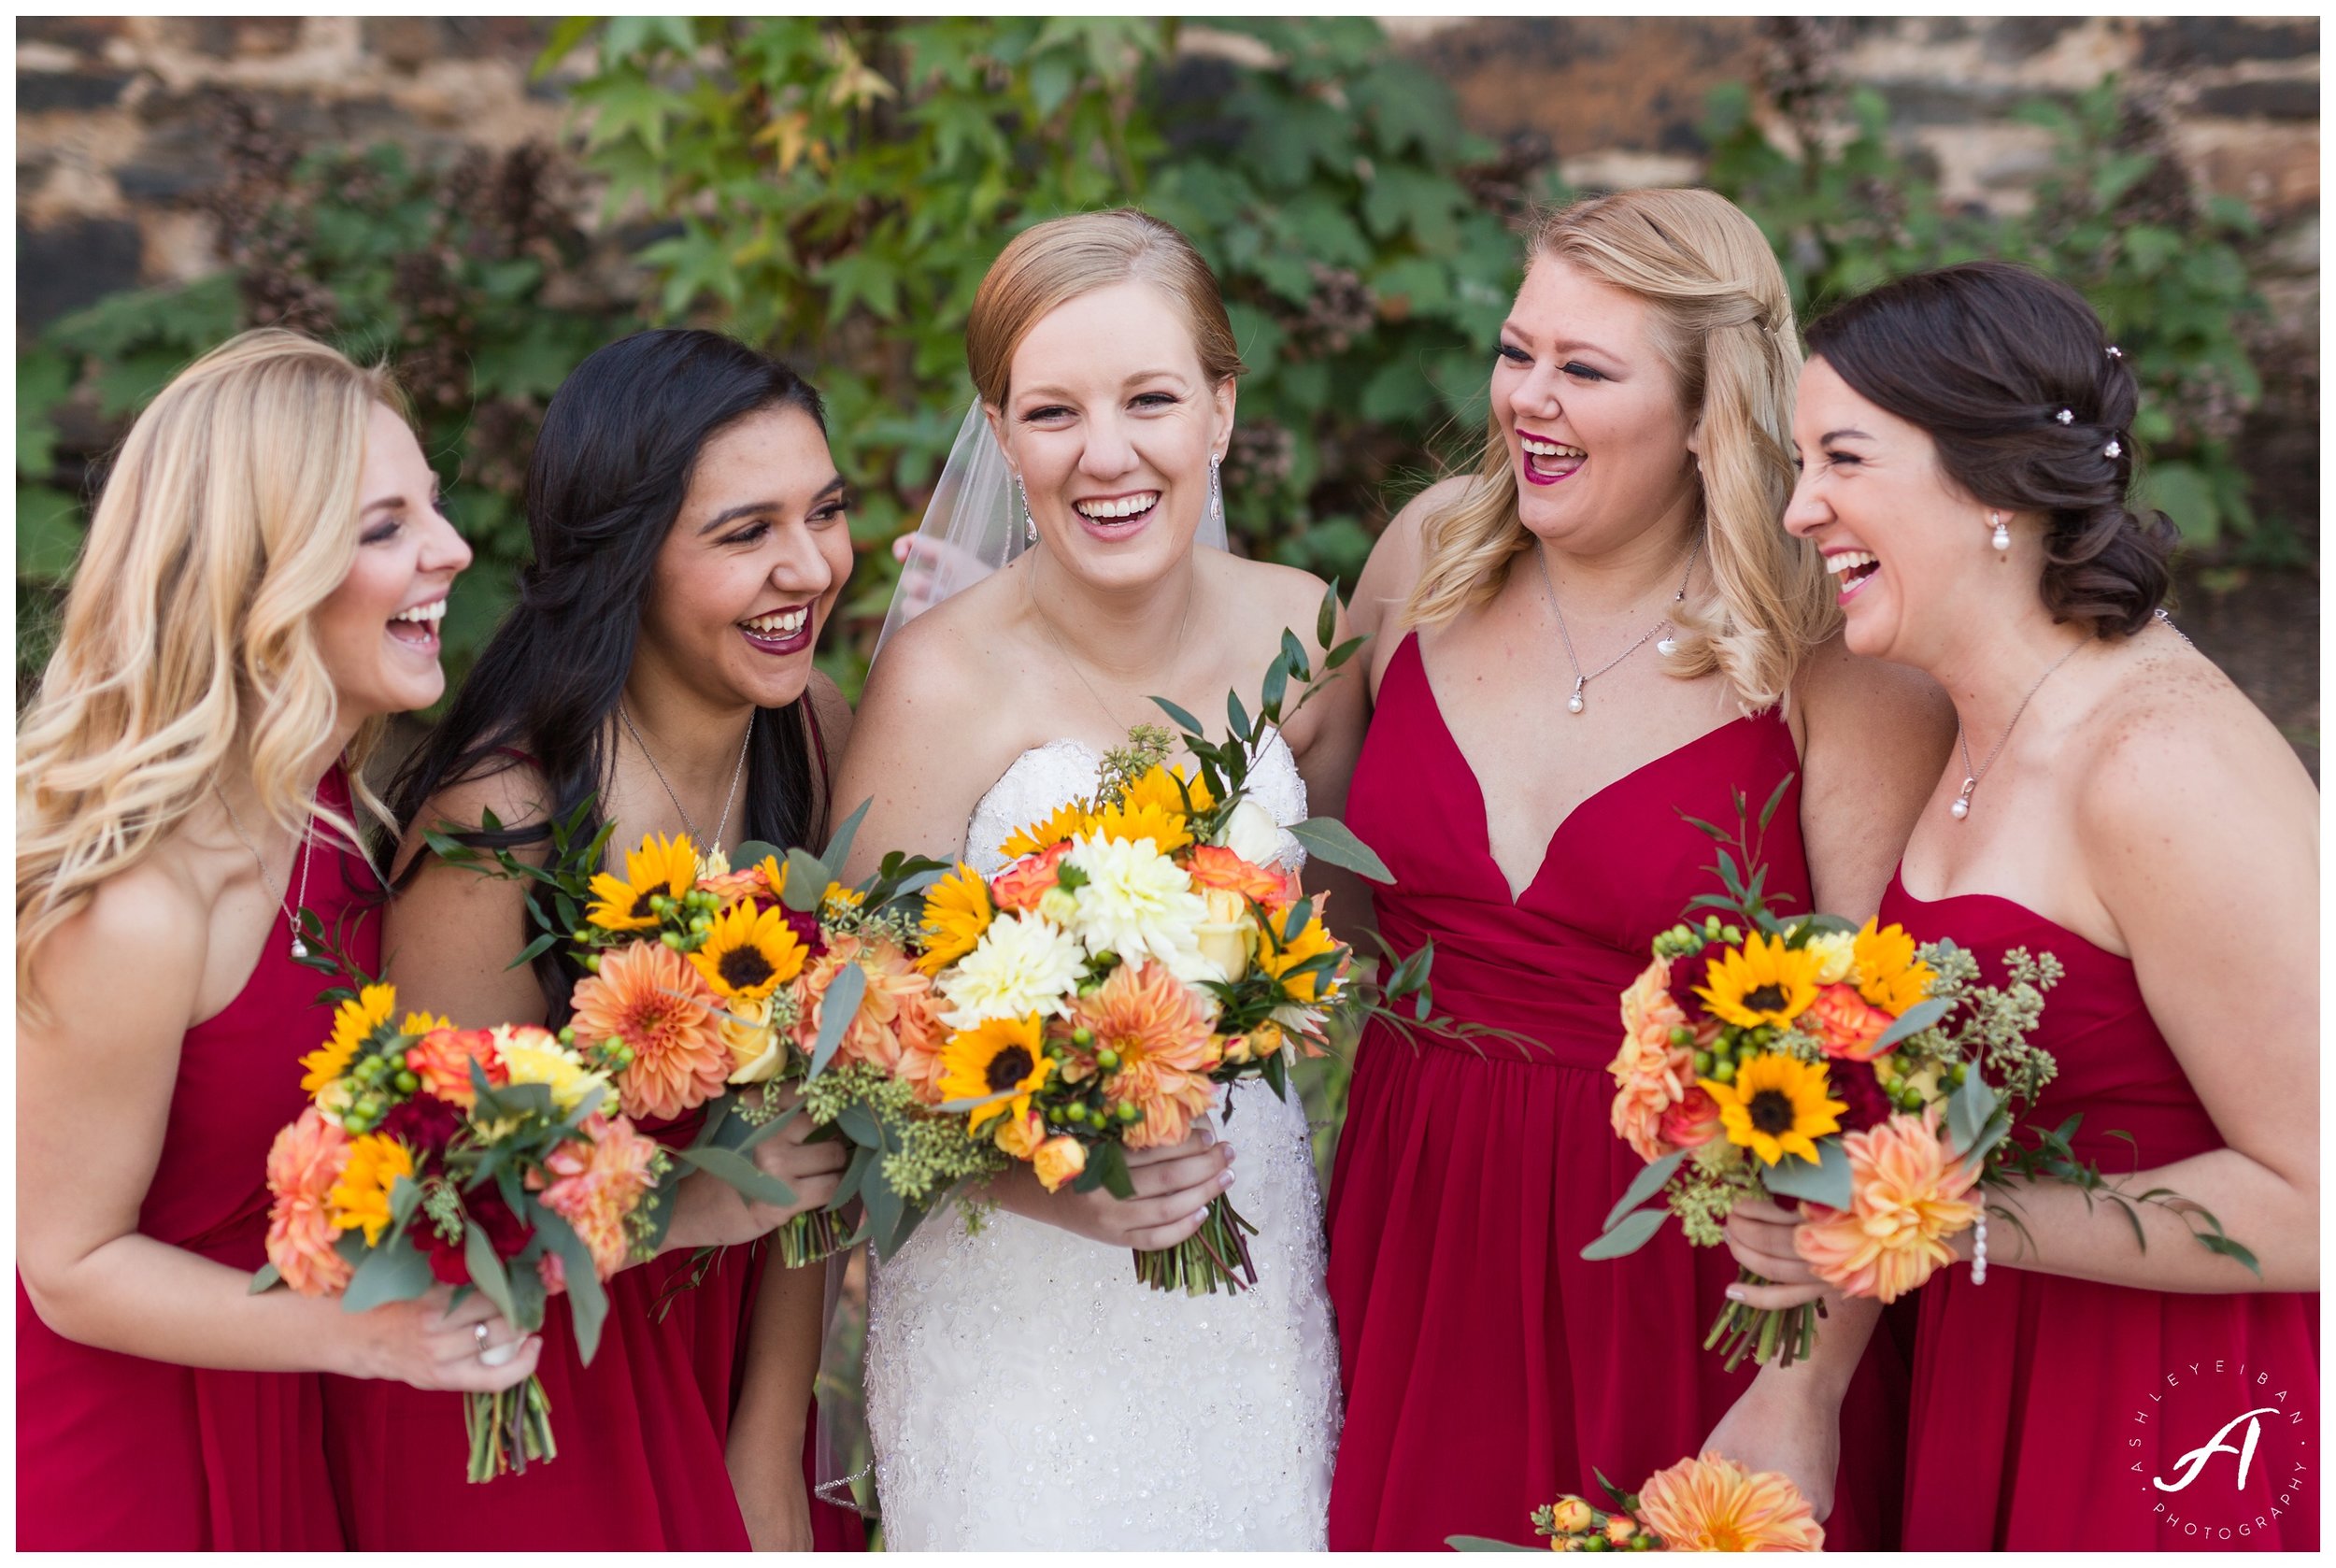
1691 1123
442 1058
1060 1160
1845 1023
1022 885
1213 865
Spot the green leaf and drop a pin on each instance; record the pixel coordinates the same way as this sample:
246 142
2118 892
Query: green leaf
1913 1021
1968 1110
1825 1182
1636 1229
1326 619
839 847
736 1170
1327 838
266 1280
485 1269
836 1010
806 883
2181 492
1185 722
1643 1186
392 1270
587 1300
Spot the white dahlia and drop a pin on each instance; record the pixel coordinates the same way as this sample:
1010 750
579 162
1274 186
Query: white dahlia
1139 903
1022 964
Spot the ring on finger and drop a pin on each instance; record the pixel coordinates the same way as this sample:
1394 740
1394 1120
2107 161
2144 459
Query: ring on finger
478 1337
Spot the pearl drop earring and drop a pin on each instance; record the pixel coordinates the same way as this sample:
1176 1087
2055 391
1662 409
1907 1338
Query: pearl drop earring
2003 539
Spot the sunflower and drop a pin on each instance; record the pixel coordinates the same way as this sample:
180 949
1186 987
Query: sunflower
997 1056
1132 819
749 953
1888 974
660 865
361 1198
353 1024
1069 820
956 912
1766 982
1158 787
1777 1105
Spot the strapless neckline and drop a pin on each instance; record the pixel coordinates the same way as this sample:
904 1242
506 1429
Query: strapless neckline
1898 886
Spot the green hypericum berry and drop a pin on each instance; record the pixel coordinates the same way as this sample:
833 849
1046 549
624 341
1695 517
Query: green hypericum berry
1106 1058
1723 1072
1704 1064
1129 1113
1681 1034
406 1083
567 1035
672 939
1082 1036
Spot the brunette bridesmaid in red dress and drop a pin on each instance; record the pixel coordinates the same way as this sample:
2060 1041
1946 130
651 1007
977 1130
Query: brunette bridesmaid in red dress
240 621
689 539
1584 640
1967 437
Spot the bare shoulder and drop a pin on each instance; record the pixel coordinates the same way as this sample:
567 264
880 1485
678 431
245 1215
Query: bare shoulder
1400 553
1270 596
516 795
831 711
159 912
936 663
1837 688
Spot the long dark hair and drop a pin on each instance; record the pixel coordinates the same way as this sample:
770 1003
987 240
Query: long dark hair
1984 357
611 469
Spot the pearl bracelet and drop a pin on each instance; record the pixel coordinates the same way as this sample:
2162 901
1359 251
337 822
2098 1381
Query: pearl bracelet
1979 1249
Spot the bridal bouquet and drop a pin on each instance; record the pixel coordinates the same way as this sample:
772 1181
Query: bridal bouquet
1708 1503
486 1158
1805 1057
1140 949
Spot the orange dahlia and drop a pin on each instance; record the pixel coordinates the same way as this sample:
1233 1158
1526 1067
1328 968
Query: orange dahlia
648 995
1650 1074
597 1181
1906 1198
896 1026
1714 1504
1165 1046
442 1058
304 1163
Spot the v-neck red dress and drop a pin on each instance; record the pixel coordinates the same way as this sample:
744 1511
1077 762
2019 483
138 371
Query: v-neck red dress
2052 1414
1488 1367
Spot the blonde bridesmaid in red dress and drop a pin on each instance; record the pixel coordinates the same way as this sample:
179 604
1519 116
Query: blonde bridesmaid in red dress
1968 452
1599 629
690 535
259 591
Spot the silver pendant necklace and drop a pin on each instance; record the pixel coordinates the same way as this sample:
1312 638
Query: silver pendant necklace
1575 702
704 847
308 852
1960 807
1047 620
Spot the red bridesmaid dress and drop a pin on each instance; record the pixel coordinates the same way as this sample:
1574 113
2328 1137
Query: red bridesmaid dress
2046 1410
1488 1367
117 1453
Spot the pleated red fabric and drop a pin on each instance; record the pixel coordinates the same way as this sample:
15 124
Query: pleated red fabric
1488 1367
2046 1411
120 1453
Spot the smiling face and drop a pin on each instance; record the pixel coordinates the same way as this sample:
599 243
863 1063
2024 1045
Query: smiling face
1590 412
1111 423
378 630
1900 537
752 565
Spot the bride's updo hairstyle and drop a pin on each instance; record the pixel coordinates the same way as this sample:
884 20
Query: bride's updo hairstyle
1722 322
1983 358
1051 264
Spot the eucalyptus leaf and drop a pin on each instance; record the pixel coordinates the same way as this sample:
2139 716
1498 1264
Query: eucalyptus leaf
836 1010
1643 1186
1183 720
1637 1229
392 1270
587 1300
1825 1182
750 1178
838 849
859 1124
806 884
266 1280
486 1269
754 853
1913 1021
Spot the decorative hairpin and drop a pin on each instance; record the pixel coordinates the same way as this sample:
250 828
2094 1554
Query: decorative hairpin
2112 449
2115 353
2065 417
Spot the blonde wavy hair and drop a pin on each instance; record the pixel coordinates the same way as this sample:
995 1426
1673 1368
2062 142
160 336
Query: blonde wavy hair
187 643
1722 322
1051 264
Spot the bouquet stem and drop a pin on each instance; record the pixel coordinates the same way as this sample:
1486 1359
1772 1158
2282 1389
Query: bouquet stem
809 1237
508 1428
1215 1257
1786 1334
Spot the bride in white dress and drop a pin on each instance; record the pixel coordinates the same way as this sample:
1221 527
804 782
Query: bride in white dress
1024 1389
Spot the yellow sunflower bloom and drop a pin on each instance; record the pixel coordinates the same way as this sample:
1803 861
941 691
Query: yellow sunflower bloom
1159 788
361 1198
353 1024
1777 1105
1762 982
1888 974
998 1056
749 953
957 911
1279 961
660 865
1069 820
1128 822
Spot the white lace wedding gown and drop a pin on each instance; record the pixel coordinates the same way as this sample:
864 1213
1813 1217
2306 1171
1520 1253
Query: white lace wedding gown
1025 1390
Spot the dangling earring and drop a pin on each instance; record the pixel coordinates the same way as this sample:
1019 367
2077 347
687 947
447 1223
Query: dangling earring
1216 489
1030 523
2003 539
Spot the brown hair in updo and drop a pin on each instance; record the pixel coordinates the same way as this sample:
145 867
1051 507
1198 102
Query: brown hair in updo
1983 357
1055 261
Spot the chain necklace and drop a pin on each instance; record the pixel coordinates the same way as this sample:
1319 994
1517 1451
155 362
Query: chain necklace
704 846
1047 621
1960 807
307 852
1575 702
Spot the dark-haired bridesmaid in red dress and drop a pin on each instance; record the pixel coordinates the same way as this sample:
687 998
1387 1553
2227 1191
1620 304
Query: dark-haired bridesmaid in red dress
1967 441
244 614
1601 629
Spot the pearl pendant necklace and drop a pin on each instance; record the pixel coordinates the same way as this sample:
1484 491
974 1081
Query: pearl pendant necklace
1669 646
307 848
1959 807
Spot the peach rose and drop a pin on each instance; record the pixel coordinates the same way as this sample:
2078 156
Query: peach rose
1022 885
1691 1123
442 1058
1845 1023
1060 1160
